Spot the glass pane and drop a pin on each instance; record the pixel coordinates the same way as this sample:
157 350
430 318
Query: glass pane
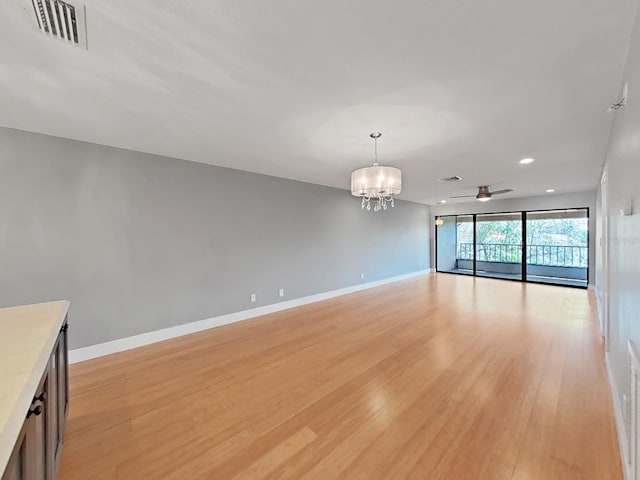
446 247
464 244
499 245
557 247
455 244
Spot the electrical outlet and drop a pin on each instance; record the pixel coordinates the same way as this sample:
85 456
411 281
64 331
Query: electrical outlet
362 276
281 292
252 297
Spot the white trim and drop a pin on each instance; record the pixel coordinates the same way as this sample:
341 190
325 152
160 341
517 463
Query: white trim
599 312
619 416
591 286
122 344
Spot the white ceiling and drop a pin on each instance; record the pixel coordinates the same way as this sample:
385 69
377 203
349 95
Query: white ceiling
293 88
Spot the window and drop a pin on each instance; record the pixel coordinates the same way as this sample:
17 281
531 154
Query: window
543 246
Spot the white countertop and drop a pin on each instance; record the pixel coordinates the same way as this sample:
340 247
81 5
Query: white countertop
27 336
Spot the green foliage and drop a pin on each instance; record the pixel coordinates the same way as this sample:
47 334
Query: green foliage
501 240
553 231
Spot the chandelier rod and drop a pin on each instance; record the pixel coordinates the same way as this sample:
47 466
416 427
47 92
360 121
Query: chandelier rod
375 136
375 150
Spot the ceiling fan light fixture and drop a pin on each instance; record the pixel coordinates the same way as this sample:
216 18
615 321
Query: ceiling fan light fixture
484 194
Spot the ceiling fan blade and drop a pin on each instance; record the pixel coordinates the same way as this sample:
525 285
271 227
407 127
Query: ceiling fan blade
463 196
500 192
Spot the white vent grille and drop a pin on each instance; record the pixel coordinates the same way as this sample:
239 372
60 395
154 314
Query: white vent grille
62 20
633 426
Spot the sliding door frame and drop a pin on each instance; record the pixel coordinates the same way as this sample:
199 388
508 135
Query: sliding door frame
523 214
475 242
523 261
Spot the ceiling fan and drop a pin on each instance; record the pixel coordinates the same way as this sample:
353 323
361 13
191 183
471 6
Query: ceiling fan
484 194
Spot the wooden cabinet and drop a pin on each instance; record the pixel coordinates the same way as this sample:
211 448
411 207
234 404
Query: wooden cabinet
36 454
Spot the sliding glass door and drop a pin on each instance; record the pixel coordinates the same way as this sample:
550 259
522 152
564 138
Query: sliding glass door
558 247
499 245
546 246
455 244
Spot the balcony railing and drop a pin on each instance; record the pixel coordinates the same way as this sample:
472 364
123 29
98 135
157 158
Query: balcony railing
551 255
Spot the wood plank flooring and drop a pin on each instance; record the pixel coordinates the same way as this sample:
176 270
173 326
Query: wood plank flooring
438 377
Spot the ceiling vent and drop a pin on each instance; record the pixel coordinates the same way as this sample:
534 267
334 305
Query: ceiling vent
455 178
62 20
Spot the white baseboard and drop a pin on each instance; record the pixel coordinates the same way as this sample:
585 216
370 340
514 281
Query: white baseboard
619 417
122 344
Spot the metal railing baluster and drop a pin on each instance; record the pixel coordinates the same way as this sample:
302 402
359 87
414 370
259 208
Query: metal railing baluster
551 255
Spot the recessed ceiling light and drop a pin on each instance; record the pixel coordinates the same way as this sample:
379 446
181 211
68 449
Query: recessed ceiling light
550 190
442 201
526 161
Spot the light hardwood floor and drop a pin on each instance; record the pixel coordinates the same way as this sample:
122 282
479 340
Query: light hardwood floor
438 377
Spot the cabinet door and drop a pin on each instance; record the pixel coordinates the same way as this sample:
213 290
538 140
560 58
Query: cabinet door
28 460
63 381
37 432
17 466
51 437
58 402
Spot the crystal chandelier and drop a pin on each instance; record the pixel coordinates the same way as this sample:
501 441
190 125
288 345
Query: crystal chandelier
376 185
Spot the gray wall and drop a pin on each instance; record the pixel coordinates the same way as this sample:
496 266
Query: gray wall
623 182
140 242
545 202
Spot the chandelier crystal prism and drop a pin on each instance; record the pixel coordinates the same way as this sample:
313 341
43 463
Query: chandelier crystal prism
376 185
